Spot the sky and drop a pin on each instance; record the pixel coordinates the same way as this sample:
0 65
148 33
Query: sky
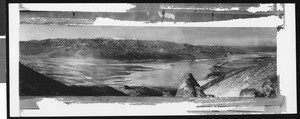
229 36
123 7
232 32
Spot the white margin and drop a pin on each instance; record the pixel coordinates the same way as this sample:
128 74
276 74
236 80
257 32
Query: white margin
13 18
286 59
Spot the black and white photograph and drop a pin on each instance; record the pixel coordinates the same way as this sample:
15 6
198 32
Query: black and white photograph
149 59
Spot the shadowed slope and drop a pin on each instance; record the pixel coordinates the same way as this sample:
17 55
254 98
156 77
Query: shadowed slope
33 83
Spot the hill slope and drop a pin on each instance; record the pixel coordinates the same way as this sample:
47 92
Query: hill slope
33 83
122 49
252 79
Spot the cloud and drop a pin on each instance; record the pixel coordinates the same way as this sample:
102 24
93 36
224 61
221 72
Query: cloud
83 7
261 8
226 9
272 21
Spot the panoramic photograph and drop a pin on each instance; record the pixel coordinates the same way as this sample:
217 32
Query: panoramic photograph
150 50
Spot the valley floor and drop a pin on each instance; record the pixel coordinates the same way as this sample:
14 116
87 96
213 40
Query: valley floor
150 77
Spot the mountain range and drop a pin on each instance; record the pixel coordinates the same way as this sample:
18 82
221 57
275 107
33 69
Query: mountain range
125 49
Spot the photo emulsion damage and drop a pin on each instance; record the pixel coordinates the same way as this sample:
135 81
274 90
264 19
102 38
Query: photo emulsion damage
151 54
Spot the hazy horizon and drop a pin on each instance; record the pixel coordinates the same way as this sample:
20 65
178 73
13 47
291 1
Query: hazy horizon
227 36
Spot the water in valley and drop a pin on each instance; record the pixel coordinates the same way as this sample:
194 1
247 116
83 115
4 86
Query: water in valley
158 73
89 71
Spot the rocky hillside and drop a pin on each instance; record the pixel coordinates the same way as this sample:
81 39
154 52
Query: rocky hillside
122 49
189 87
255 81
33 83
146 91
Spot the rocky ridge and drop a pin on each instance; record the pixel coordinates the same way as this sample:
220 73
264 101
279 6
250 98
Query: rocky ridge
126 49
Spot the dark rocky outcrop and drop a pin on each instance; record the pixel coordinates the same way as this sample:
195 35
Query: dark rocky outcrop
189 87
252 92
210 95
268 89
167 94
32 83
143 91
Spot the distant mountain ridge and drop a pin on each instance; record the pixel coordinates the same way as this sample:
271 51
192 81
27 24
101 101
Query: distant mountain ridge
123 49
